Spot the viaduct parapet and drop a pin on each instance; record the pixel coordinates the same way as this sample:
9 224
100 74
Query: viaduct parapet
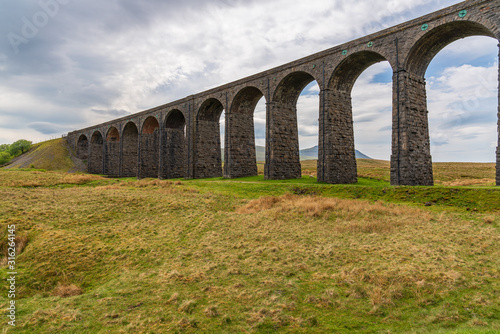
181 139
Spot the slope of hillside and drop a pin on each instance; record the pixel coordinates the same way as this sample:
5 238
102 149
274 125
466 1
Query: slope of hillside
103 255
53 155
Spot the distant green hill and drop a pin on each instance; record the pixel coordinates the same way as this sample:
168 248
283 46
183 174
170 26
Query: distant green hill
306 154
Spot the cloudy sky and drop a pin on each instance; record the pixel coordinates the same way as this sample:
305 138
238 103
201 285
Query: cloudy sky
67 64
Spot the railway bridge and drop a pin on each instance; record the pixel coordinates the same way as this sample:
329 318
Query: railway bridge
181 139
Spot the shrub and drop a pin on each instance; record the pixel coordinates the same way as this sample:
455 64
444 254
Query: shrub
5 157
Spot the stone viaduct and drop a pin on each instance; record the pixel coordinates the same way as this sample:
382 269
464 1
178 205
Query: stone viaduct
182 139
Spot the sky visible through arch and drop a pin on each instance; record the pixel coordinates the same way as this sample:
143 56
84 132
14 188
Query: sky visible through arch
66 65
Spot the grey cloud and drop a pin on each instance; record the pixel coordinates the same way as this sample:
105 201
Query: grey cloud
47 128
111 112
385 128
439 142
366 118
476 118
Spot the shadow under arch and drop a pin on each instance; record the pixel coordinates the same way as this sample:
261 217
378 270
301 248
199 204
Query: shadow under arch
112 156
207 159
174 146
239 153
282 139
130 150
82 147
150 148
96 159
416 63
337 154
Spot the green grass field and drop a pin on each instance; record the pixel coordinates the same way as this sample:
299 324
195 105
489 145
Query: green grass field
103 255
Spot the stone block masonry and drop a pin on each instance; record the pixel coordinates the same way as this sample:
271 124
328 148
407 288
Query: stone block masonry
182 138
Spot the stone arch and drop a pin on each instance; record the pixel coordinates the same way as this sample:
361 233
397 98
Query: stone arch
174 145
82 147
411 140
429 45
337 154
112 157
347 72
130 149
113 135
96 153
208 162
150 152
282 139
239 153
175 120
290 87
150 125
210 110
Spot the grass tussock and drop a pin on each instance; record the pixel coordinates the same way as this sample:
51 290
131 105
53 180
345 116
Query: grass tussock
80 179
187 306
21 241
65 291
351 215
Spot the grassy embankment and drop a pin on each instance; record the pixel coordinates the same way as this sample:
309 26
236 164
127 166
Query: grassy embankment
247 255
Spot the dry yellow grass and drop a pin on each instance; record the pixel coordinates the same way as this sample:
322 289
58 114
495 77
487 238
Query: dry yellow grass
65 291
155 256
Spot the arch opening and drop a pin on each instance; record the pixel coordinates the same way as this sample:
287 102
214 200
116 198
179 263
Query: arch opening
96 154
130 138
82 147
308 128
150 149
175 120
438 38
348 71
150 125
337 157
112 156
240 158
282 149
260 121
113 135
174 142
372 112
97 138
208 160
456 119
462 97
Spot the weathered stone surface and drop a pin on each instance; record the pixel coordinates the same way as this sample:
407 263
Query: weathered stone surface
112 158
112 153
283 160
173 154
498 128
408 47
96 154
336 156
149 154
82 148
240 159
208 160
130 149
411 162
